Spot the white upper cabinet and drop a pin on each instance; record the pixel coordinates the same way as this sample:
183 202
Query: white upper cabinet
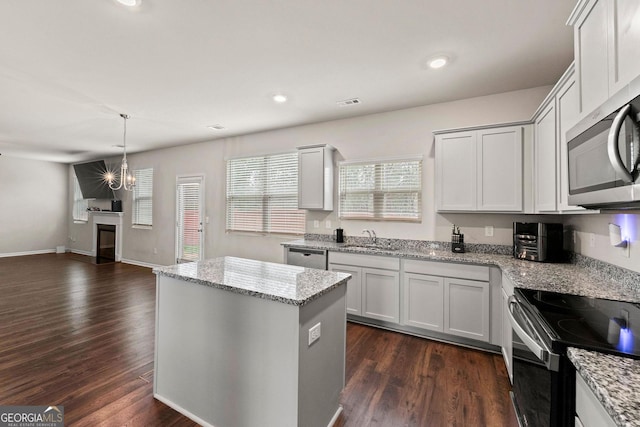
545 150
315 177
624 42
590 48
557 114
606 39
480 170
456 171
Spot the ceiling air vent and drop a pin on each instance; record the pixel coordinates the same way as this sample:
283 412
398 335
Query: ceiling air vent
348 102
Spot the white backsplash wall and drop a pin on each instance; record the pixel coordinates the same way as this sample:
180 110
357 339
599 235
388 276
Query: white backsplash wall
600 247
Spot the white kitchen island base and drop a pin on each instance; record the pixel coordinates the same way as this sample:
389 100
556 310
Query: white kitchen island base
231 359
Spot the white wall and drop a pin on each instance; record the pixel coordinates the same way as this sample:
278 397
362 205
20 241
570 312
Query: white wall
598 225
34 214
397 133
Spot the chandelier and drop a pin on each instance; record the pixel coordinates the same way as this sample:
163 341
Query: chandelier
127 180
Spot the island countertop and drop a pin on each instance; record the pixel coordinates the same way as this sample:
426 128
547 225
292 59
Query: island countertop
277 282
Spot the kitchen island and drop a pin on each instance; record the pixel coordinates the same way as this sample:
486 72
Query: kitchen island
233 342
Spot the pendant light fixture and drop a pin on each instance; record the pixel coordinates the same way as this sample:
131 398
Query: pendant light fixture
127 180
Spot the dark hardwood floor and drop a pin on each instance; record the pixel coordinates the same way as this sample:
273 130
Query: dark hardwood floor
81 334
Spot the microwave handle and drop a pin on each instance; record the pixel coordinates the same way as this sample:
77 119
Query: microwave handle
612 145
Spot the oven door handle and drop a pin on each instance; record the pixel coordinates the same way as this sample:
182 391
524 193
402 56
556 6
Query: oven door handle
551 360
531 343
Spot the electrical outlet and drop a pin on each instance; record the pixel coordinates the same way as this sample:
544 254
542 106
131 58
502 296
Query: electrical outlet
316 223
327 223
592 240
488 230
155 251
314 333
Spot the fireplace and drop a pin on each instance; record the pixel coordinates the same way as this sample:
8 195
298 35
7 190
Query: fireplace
106 243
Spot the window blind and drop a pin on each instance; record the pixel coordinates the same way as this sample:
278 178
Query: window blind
381 190
80 205
262 195
143 198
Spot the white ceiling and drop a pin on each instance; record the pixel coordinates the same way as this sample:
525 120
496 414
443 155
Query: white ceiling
69 67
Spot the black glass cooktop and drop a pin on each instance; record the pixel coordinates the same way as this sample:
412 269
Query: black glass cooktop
590 323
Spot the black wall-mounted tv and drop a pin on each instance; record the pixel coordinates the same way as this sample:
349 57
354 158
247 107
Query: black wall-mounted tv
91 179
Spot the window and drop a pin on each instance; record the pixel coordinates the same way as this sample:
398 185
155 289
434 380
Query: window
80 205
143 198
383 190
262 194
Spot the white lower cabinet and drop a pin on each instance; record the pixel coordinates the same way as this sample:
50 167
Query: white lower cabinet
466 308
354 287
423 307
589 410
446 297
381 294
374 289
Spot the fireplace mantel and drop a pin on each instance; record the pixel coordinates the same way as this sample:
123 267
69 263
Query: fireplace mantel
108 218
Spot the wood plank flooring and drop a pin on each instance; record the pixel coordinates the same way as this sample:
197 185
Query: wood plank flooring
81 334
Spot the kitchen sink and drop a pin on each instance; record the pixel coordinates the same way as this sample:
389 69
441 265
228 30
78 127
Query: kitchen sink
371 247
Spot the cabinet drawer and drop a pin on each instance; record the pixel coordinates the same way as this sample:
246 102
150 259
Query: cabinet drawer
446 269
373 261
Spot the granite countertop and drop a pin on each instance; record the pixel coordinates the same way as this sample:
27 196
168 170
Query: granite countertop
556 277
614 380
277 282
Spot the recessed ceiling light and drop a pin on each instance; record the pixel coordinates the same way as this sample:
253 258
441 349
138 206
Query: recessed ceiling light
438 62
129 3
279 98
216 127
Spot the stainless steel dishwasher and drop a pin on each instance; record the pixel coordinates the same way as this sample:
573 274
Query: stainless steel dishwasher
309 258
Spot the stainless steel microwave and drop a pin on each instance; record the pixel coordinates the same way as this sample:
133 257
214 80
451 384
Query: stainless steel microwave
604 154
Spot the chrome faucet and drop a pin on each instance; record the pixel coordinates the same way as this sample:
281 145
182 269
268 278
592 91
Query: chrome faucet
372 236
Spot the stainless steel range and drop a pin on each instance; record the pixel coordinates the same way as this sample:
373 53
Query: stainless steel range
548 323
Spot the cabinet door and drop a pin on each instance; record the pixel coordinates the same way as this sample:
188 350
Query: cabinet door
588 407
507 345
567 115
423 301
466 308
354 287
624 39
545 160
590 38
311 178
455 171
381 294
499 169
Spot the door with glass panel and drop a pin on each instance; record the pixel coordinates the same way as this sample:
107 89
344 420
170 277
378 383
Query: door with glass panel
189 218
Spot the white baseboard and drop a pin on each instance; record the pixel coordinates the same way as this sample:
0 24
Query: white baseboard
182 410
335 416
140 263
80 252
38 252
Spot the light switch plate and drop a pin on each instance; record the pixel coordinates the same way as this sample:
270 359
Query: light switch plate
488 230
